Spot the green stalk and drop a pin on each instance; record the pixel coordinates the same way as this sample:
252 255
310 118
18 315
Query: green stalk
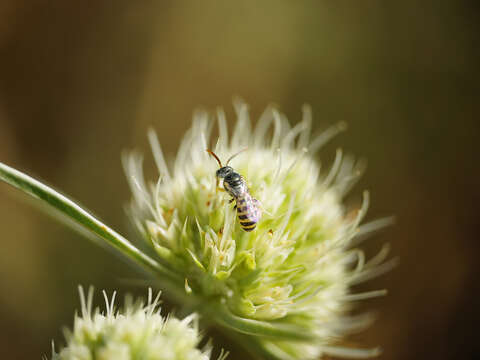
81 217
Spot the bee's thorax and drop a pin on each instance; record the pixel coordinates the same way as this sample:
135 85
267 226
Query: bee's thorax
234 184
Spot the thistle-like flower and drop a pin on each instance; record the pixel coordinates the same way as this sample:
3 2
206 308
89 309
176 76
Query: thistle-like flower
137 332
285 288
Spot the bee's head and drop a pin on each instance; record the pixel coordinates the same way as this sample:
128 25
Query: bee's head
224 171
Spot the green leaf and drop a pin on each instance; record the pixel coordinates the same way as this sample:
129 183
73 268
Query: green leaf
258 327
81 217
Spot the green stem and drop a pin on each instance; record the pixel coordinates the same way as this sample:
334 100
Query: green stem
80 216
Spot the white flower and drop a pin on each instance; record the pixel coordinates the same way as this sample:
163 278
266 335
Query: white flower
137 332
292 275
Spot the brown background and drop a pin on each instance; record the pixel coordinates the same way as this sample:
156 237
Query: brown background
81 81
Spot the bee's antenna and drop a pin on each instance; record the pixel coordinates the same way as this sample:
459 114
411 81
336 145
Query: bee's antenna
234 155
215 156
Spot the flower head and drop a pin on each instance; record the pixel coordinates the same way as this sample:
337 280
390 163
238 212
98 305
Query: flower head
136 332
291 276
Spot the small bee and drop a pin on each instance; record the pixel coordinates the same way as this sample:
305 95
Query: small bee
248 208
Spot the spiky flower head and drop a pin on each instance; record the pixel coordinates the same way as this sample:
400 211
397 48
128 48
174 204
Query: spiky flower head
286 285
137 332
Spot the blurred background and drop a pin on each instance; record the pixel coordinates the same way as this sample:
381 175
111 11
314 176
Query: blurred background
82 81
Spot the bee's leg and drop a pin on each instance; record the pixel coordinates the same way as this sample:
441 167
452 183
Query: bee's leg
218 187
232 200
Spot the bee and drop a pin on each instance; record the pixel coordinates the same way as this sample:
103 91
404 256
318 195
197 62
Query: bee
247 207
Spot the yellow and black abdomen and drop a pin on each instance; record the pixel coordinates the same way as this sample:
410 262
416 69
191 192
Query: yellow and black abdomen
248 212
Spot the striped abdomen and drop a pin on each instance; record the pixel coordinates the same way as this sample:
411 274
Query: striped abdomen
248 212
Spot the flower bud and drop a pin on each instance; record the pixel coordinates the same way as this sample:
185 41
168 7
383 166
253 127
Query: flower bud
137 332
